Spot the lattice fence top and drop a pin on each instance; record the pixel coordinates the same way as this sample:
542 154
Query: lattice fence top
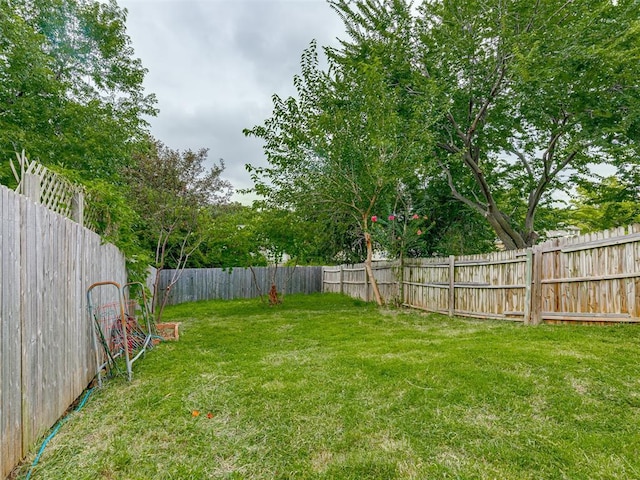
56 193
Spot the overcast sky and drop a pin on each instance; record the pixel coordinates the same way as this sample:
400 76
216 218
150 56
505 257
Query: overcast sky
214 65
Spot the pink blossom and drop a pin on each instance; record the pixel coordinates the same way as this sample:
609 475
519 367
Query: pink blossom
419 232
374 218
415 216
392 217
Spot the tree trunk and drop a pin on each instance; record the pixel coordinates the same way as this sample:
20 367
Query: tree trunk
155 295
369 269
510 242
255 282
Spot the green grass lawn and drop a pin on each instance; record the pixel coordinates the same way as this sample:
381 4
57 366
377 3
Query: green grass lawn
328 387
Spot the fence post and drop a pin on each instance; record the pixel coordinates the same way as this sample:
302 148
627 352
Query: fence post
452 283
633 283
31 187
366 284
77 208
528 285
536 287
341 279
401 279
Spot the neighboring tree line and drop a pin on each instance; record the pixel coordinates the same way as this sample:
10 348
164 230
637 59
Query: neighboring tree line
434 128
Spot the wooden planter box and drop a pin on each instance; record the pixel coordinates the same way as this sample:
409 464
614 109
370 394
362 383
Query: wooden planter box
169 330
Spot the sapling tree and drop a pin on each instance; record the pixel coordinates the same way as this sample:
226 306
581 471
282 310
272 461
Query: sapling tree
284 238
345 143
172 191
401 234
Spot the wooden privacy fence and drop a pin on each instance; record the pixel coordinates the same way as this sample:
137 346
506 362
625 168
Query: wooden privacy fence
481 286
590 278
352 280
197 284
46 355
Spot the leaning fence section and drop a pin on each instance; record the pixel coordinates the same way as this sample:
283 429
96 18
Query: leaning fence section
195 284
590 278
46 359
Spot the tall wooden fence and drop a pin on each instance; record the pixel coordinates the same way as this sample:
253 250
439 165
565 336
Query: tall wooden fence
352 280
197 284
46 356
590 278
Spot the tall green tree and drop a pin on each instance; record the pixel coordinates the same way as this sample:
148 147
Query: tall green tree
71 90
531 94
355 143
528 95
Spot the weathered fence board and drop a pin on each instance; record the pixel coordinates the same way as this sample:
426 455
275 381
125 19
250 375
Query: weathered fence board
352 280
46 354
10 347
197 284
491 286
592 278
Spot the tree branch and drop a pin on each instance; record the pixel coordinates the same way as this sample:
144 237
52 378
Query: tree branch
477 206
457 128
525 163
485 106
529 26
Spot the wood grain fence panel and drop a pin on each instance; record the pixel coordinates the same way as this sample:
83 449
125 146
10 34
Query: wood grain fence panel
85 357
591 277
332 279
46 350
52 329
32 310
631 288
491 286
216 283
355 282
41 349
71 301
243 288
49 328
387 275
86 267
426 284
65 268
10 333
